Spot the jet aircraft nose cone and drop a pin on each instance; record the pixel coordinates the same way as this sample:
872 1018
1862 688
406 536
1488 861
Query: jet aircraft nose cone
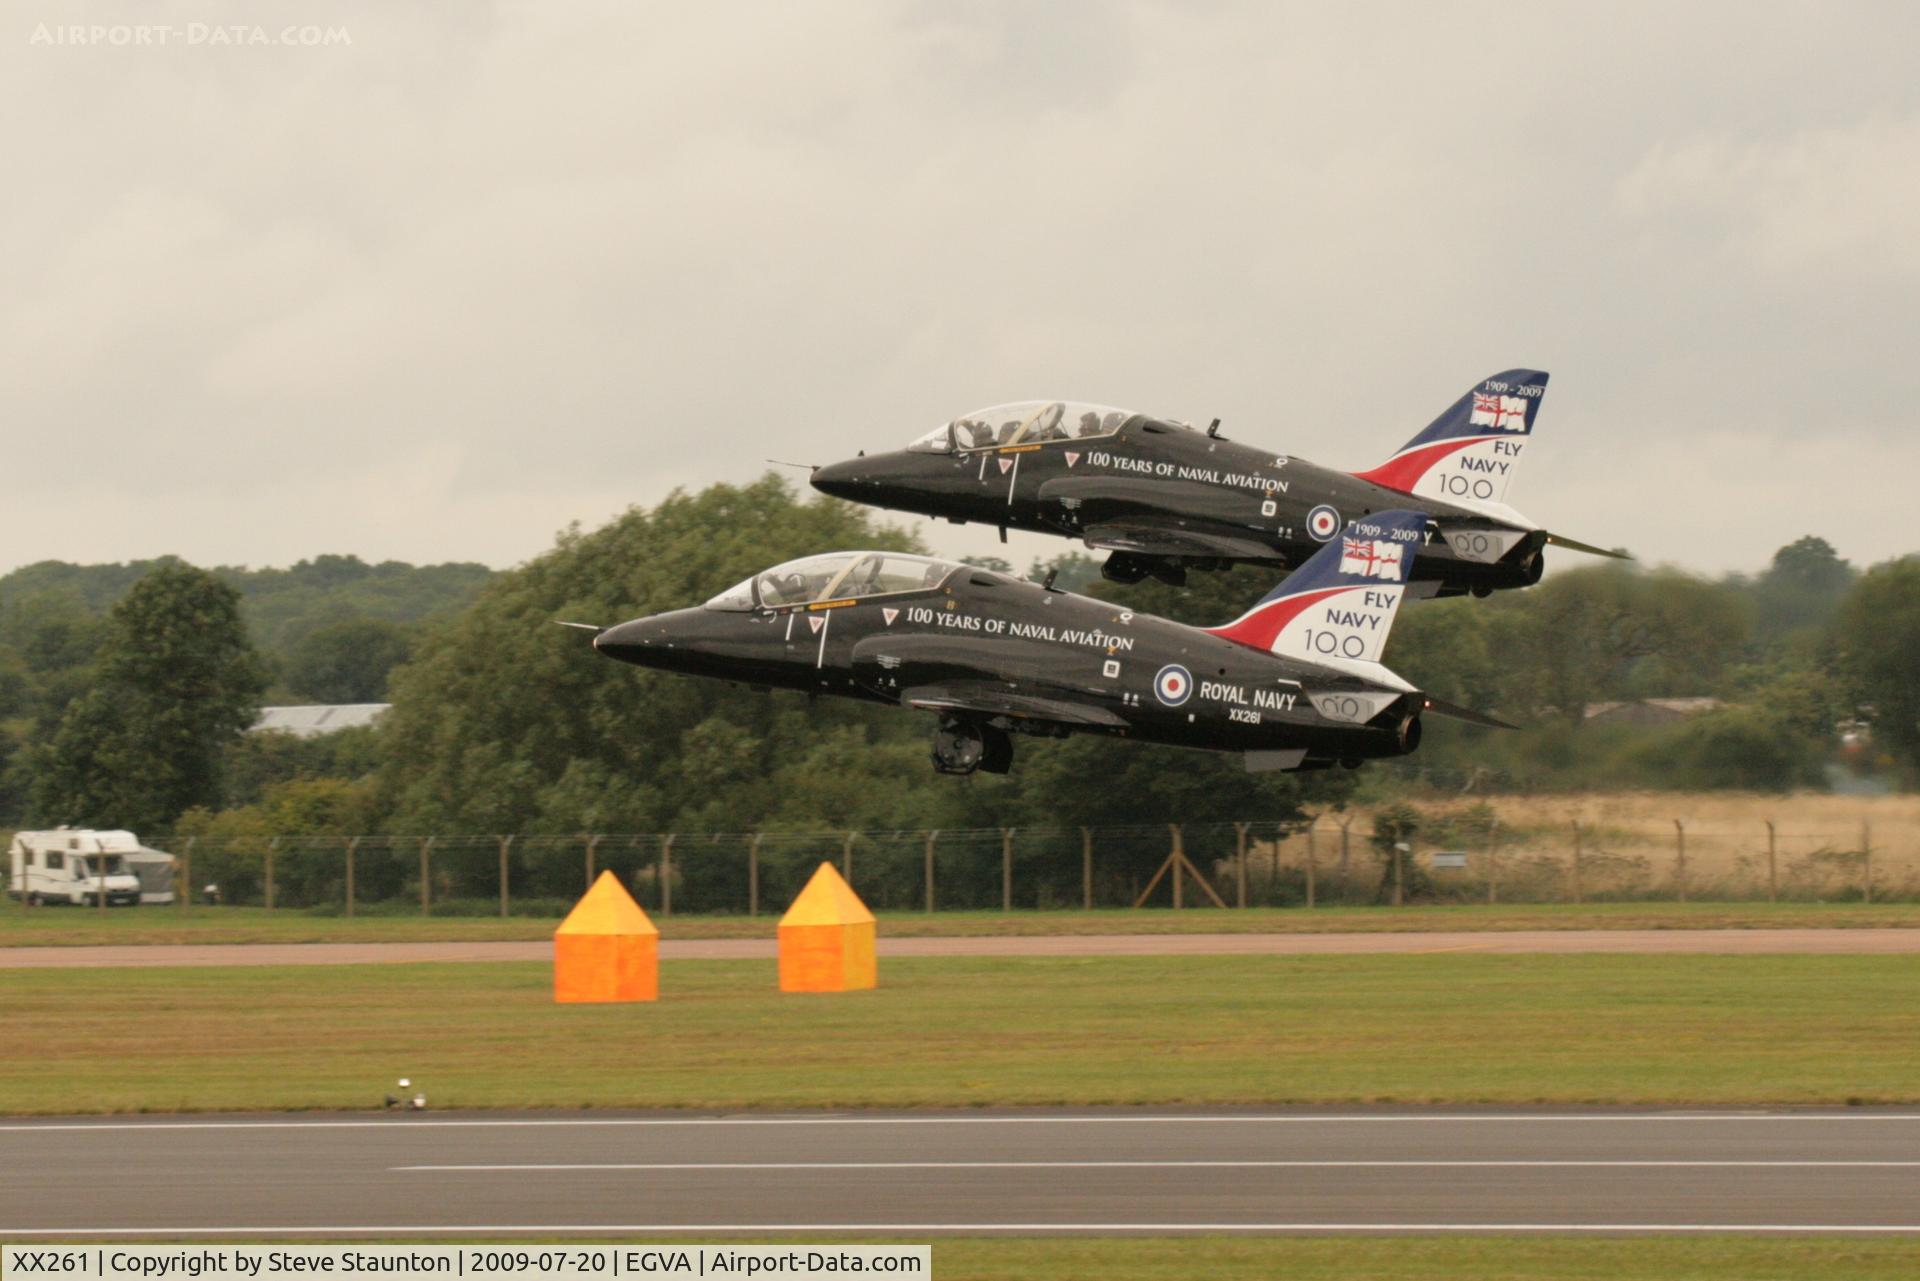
842 480
624 641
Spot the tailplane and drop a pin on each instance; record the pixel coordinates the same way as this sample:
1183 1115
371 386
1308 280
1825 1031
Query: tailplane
1338 607
1469 453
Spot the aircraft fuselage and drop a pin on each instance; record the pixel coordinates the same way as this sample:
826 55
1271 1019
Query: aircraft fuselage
984 648
1161 493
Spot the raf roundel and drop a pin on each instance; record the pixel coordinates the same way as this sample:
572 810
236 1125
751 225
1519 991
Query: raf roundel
1173 685
1323 522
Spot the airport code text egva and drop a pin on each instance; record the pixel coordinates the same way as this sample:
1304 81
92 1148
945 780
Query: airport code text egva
592 1263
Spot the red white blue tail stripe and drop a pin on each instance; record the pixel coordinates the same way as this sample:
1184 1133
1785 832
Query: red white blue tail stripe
1338 607
1469 454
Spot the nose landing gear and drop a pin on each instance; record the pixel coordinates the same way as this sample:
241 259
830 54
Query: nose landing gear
1127 567
961 747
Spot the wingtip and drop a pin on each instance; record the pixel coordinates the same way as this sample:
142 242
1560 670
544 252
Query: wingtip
1440 707
1575 545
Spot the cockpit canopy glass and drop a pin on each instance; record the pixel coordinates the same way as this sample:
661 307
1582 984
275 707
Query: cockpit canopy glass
1024 422
835 576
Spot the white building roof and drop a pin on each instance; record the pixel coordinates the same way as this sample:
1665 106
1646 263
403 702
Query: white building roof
318 719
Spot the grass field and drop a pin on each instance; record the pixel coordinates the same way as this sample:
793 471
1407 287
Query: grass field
1434 1028
1631 849
68 926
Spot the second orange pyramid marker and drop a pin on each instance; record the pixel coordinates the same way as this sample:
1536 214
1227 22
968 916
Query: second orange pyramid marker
826 938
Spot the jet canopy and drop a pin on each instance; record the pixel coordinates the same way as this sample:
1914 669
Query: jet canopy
1024 422
835 576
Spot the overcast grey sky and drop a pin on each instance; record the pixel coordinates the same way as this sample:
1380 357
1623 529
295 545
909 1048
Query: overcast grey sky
482 271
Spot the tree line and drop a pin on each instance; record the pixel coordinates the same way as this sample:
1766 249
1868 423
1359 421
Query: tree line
503 722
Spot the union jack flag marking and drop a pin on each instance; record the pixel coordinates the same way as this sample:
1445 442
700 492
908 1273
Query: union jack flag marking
1370 558
1503 413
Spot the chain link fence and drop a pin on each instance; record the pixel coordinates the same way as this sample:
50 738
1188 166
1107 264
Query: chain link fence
1329 860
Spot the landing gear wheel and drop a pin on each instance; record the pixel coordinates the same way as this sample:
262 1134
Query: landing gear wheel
1122 567
998 758
959 747
1170 572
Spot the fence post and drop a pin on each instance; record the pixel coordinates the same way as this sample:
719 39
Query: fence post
1240 863
1086 869
100 862
753 875
426 876
506 844
1179 861
1680 858
1346 868
1311 860
666 875
846 858
1006 869
1773 870
183 888
1577 894
1866 862
593 846
1493 862
353 843
933 834
272 845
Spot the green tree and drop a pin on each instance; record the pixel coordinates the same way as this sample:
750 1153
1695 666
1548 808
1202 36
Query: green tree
1613 631
1876 637
345 662
176 684
504 722
1801 588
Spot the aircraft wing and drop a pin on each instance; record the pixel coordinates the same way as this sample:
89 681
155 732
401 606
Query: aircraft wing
1157 540
985 699
1161 517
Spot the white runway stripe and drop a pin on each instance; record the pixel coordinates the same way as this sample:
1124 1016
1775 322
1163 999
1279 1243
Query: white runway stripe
1121 1228
1171 1165
395 1123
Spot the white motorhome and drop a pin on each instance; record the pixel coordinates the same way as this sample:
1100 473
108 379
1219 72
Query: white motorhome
78 866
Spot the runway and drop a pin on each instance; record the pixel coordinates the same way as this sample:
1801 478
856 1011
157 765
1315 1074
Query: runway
1081 1171
1880 942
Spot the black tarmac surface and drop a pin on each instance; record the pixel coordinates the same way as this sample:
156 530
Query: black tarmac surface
1077 1171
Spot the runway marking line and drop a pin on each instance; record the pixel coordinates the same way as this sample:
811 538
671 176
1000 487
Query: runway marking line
1252 1118
1158 1165
1132 1227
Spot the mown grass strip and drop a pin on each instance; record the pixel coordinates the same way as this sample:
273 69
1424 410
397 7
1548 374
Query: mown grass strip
64 926
1418 1029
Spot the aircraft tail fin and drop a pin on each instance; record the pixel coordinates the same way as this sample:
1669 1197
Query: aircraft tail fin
1469 453
1338 607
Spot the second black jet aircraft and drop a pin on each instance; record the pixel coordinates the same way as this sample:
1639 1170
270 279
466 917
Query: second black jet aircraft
1163 498
1295 683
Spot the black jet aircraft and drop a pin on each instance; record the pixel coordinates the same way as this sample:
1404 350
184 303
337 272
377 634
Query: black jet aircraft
1163 498
1295 683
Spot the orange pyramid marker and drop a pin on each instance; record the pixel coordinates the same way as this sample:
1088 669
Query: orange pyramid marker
606 949
826 938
